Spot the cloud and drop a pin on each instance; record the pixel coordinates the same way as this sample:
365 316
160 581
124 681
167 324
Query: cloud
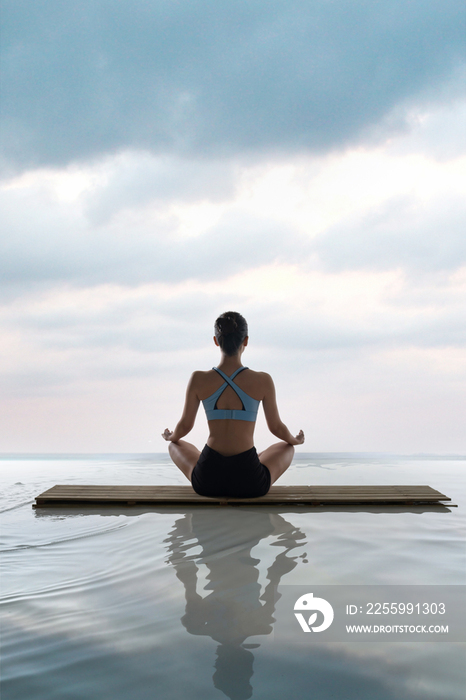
128 329
59 245
366 359
295 161
135 218
407 233
212 79
135 179
438 132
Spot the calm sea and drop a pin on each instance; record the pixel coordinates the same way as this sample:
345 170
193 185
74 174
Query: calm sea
175 602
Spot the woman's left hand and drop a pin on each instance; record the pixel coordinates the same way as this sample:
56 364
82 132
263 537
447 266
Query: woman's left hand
299 438
167 434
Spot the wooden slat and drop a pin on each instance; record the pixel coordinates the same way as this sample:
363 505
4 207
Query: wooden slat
88 493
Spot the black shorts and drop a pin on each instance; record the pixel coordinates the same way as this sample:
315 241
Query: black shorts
237 476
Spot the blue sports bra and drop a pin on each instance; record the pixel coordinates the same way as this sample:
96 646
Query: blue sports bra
250 405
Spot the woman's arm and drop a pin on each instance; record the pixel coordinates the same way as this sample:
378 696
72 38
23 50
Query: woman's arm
186 422
272 416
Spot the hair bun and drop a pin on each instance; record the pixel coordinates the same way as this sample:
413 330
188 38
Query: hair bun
230 330
227 325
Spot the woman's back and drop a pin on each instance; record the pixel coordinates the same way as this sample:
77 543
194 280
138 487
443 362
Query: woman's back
230 436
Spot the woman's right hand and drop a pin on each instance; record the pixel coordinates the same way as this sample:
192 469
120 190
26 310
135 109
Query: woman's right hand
299 438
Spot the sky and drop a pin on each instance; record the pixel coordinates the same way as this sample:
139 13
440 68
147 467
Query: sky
302 162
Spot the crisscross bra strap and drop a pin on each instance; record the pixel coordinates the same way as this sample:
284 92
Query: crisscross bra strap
250 405
228 379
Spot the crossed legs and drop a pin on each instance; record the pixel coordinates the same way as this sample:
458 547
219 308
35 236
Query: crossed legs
184 455
277 458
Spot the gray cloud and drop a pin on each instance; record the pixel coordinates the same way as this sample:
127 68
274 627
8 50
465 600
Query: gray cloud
61 247
406 319
403 233
131 326
146 324
104 238
208 78
135 180
440 135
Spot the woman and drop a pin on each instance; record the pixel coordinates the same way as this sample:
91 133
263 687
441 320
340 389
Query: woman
229 464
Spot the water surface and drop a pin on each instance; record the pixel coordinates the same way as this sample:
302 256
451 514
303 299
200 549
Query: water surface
174 602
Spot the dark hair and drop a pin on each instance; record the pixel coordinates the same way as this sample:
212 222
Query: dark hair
230 330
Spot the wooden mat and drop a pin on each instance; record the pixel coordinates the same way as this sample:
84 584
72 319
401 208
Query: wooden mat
313 495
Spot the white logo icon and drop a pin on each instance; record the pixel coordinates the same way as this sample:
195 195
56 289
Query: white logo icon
309 603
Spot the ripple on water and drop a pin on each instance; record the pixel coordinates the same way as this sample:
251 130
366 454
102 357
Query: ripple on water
106 603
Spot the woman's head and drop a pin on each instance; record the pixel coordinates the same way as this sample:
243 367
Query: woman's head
230 331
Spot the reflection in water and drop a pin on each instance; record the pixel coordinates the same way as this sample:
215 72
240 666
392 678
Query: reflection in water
234 609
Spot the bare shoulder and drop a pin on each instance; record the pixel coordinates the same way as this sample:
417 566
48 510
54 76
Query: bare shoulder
262 376
203 382
267 382
199 377
260 382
